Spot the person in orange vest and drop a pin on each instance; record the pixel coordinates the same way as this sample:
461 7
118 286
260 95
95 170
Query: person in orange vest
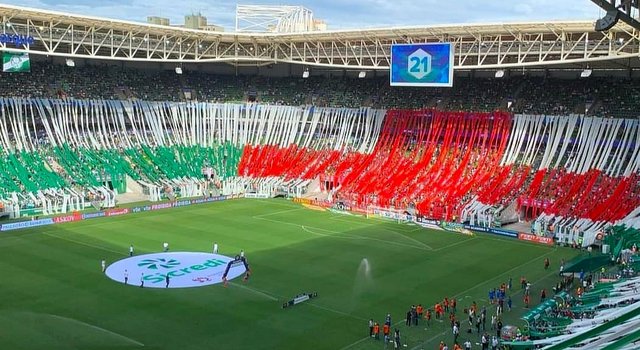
385 331
457 346
437 310
419 310
376 331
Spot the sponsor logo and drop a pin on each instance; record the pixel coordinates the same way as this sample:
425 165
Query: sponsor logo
98 214
392 215
495 231
16 39
26 224
116 212
428 221
302 200
184 269
153 264
501 232
161 206
455 227
182 203
67 218
256 195
535 239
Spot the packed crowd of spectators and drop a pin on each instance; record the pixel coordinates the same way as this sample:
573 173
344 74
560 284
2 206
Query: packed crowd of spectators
608 97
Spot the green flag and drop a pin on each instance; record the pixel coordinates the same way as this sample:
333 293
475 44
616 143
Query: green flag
16 62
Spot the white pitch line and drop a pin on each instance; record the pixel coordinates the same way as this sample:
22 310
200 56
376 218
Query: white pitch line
464 292
455 244
355 343
269 296
132 341
358 238
276 213
284 204
84 243
336 311
306 228
410 238
365 338
491 280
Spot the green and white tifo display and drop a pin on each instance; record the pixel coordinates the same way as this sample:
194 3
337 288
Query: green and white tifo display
183 269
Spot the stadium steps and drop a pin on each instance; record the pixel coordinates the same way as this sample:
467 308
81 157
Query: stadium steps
595 331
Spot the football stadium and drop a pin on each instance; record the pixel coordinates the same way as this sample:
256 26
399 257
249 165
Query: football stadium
285 185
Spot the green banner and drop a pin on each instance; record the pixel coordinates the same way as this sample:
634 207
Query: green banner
16 62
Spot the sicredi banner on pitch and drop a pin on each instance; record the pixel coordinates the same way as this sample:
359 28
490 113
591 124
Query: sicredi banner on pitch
185 269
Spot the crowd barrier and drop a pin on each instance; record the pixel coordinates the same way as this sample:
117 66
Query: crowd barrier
111 212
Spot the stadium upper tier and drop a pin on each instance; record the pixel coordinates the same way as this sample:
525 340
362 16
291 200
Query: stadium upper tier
606 97
493 46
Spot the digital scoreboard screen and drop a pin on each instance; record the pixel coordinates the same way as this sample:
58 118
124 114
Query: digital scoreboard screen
428 64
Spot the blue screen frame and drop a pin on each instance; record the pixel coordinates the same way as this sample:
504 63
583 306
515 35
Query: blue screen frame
427 65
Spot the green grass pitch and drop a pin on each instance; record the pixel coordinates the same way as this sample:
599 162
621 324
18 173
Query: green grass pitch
53 294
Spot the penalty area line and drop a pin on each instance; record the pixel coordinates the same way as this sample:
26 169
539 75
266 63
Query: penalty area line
118 335
410 238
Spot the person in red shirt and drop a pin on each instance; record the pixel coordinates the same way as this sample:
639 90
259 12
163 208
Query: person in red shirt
385 331
427 315
419 310
376 331
445 302
453 304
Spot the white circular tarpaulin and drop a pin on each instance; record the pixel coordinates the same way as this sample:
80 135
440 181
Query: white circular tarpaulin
185 269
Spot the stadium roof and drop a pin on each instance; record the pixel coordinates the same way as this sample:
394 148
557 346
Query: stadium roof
492 46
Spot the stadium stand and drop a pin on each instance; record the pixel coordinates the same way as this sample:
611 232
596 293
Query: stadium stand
488 151
606 97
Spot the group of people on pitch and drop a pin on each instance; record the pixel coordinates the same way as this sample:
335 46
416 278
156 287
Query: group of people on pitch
374 331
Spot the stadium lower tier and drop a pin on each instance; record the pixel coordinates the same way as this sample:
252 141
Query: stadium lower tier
440 162
453 166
